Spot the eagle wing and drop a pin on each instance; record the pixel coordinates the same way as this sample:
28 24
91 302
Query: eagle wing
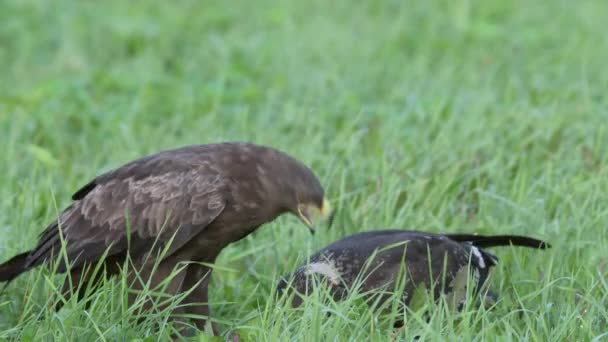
159 199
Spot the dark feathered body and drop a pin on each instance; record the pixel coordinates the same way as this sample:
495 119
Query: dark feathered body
375 260
193 200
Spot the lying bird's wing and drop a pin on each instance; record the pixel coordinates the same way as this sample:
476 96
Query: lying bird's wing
499 240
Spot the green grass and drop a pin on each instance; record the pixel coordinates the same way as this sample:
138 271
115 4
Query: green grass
445 116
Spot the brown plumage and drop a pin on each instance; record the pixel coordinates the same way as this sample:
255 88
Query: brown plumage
193 201
375 260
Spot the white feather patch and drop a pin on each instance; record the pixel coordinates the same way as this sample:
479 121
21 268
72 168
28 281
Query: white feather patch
324 268
477 253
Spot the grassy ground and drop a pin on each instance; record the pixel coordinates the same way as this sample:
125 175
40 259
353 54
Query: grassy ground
459 116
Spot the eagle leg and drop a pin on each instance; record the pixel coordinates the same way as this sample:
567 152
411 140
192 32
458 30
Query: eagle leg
164 279
80 278
196 302
70 286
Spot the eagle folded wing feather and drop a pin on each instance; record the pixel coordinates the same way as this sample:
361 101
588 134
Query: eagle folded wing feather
174 205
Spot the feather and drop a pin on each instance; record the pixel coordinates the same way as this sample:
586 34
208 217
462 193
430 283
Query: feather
499 240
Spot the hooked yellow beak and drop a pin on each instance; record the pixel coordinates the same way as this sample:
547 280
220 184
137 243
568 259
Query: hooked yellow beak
310 214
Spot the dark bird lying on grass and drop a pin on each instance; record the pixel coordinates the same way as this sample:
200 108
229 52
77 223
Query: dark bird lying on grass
193 201
373 262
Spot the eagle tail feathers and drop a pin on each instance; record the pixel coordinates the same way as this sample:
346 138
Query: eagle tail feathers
10 269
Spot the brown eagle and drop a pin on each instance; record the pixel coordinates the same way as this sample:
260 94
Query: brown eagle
184 205
373 262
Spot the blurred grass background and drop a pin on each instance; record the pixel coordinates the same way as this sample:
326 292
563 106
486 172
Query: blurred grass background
472 116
